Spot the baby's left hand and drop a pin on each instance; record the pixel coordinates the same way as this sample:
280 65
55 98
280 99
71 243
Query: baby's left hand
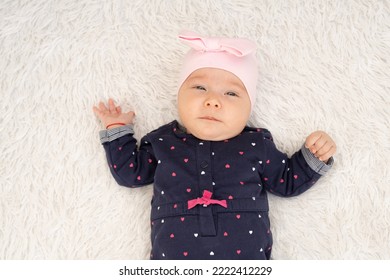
321 145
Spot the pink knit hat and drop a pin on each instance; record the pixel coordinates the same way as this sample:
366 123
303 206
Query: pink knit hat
236 55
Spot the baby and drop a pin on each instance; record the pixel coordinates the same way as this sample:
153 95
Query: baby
211 172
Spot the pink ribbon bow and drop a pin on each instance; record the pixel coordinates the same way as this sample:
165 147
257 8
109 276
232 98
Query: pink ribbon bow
236 46
206 200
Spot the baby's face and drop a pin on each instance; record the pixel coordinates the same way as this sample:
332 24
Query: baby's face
213 104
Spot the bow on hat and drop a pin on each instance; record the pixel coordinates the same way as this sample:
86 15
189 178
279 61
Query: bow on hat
237 46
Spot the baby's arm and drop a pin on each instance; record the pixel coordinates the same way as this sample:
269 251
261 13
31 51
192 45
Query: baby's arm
292 176
129 165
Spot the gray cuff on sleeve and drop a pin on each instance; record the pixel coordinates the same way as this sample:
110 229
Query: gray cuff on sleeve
115 133
318 166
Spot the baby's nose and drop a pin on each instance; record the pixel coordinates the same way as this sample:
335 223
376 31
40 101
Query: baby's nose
212 103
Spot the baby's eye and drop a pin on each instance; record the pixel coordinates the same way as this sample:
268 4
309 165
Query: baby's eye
230 93
200 87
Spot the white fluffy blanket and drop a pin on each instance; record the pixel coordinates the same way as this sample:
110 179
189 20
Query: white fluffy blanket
324 65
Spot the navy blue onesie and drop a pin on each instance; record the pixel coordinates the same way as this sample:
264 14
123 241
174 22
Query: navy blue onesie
209 199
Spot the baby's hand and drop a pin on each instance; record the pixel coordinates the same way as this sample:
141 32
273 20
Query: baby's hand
112 114
321 145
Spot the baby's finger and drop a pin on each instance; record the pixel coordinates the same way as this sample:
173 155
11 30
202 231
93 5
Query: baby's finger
102 107
328 154
131 115
318 145
119 110
111 105
95 110
323 150
312 139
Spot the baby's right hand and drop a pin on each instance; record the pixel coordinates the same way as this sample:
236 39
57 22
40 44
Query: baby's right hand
112 114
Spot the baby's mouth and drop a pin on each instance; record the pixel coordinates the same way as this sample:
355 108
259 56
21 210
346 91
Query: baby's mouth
208 118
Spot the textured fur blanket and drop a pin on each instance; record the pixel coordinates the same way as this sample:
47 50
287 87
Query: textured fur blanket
324 65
